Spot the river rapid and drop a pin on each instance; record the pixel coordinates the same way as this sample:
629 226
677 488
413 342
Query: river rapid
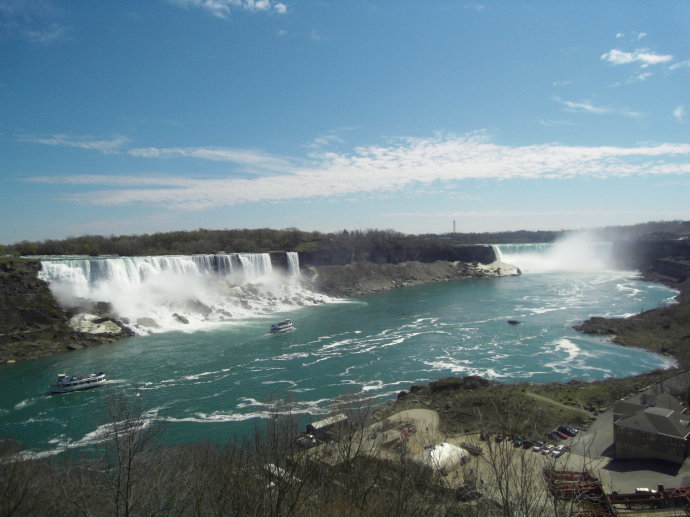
223 380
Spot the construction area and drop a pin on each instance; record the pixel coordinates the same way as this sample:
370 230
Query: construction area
586 492
482 468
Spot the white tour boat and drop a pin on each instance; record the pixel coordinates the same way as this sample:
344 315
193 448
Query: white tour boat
282 326
65 384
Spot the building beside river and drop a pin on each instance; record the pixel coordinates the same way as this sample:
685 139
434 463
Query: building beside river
655 428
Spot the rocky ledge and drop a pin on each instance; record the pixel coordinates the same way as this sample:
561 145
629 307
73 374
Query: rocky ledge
32 325
359 278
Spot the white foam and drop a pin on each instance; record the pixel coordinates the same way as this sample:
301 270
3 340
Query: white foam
575 252
182 293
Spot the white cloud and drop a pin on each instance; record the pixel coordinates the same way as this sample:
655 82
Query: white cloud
325 141
246 157
223 8
81 142
679 113
680 64
474 7
643 56
38 21
316 35
406 163
118 181
636 78
587 106
46 35
620 35
556 123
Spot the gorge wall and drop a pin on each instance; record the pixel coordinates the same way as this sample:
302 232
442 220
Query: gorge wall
336 256
664 258
32 324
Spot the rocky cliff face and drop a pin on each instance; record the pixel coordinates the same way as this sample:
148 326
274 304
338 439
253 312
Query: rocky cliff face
32 324
669 257
339 257
360 278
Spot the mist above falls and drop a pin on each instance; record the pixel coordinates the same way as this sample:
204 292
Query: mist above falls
577 252
161 293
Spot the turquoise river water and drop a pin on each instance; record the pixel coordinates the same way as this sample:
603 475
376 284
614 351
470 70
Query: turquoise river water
221 381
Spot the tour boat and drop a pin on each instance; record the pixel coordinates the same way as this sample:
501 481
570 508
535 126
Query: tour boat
65 384
282 326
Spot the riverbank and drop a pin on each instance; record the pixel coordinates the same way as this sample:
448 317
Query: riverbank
664 330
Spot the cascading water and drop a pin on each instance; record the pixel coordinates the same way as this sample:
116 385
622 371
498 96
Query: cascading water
160 293
497 253
577 252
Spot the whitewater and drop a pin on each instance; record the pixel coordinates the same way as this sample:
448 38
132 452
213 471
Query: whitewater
223 373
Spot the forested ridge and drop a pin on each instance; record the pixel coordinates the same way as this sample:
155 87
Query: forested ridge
292 239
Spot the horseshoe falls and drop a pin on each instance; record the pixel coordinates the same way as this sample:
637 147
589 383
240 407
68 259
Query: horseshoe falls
223 373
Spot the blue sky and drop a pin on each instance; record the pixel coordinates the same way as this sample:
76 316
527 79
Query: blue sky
135 117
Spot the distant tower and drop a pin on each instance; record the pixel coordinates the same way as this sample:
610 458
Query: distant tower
453 225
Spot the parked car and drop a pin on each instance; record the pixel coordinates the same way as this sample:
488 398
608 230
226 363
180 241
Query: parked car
527 444
573 430
500 437
517 441
547 449
558 451
557 434
538 446
554 435
566 430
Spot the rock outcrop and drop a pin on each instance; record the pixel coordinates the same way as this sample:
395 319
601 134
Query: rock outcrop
360 278
33 325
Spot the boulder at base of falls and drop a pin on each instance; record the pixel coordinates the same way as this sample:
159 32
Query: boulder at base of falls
148 322
92 324
180 318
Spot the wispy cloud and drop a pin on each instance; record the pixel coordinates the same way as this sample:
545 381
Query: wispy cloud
642 56
81 142
117 181
636 78
634 36
474 7
247 157
679 113
224 8
680 64
505 214
557 123
586 106
405 163
38 21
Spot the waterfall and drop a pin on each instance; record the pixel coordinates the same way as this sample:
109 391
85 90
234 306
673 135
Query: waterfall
293 263
158 293
497 253
575 252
